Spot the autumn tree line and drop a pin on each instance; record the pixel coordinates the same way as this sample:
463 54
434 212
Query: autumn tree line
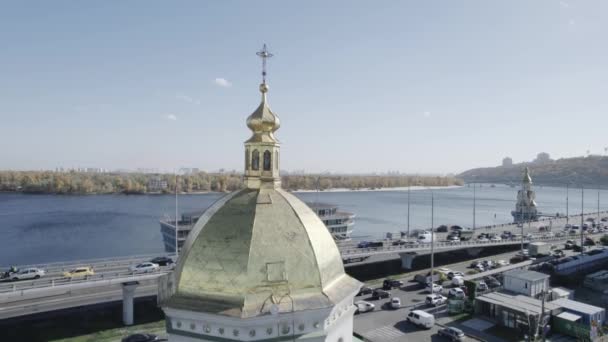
49 182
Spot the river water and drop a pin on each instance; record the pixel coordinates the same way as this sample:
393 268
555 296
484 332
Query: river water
47 228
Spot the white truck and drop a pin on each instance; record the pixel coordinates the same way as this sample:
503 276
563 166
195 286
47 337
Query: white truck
539 248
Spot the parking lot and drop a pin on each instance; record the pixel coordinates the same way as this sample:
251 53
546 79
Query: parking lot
387 324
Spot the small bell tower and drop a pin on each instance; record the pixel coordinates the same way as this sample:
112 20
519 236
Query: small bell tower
262 149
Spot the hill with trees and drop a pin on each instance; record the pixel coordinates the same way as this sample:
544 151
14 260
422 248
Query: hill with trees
587 171
48 182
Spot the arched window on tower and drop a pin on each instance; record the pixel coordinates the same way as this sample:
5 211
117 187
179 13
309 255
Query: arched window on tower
267 162
247 159
255 160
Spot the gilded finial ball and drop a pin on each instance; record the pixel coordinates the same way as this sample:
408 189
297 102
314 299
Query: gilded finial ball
263 88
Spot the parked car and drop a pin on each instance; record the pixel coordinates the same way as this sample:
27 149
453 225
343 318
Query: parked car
518 258
365 290
141 338
569 245
363 306
491 282
501 263
421 318
495 238
435 299
458 281
589 242
487 264
145 267
435 288
456 293
482 286
79 272
162 261
452 333
395 303
389 284
378 294
27 273
453 274
558 253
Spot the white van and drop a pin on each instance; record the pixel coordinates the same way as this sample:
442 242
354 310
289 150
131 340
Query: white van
424 237
421 318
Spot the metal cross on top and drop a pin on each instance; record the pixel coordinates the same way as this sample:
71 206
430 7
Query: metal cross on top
264 54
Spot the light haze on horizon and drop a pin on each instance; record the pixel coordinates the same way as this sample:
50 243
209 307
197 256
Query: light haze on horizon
416 86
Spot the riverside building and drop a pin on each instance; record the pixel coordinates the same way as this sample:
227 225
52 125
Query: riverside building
259 264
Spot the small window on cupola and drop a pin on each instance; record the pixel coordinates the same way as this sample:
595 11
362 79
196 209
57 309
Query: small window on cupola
255 160
267 163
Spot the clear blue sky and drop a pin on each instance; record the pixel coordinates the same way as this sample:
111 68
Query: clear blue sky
360 86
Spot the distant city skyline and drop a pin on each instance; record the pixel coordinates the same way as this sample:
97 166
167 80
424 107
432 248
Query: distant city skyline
428 87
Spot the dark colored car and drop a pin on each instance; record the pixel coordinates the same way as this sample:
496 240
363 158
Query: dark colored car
506 236
453 334
474 264
491 282
442 229
142 338
589 242
389 284
569 245
378 294
558 253
162 261
518 258
370 244
365 290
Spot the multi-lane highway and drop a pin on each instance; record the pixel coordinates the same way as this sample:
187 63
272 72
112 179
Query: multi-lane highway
54 291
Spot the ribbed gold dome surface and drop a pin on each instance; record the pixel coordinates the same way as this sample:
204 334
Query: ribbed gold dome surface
256 248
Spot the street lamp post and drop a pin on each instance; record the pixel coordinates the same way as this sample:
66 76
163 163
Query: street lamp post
408 210
598 204
432 240
567 213
582 217
176 221
474 205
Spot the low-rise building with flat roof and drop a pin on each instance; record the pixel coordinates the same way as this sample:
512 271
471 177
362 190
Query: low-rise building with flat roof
529 283
513 310
589 314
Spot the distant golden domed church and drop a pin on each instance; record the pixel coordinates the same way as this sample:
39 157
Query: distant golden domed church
259 265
